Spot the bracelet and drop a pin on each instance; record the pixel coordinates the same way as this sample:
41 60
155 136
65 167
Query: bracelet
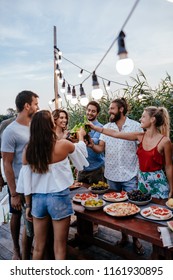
27 205
14 195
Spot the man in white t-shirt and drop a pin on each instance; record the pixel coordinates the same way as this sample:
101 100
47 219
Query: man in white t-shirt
121 162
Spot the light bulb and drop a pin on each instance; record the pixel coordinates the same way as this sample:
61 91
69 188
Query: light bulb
97 93
62 90
84 101
170 1
69 96
74 100
125 66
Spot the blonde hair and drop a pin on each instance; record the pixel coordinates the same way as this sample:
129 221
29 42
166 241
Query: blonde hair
162 119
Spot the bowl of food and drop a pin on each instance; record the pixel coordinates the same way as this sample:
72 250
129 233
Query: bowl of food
169 203
139 198
99 188
93 204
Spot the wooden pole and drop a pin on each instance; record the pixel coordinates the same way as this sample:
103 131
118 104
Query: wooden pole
55 75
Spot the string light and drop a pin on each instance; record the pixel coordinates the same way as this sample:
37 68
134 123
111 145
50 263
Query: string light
60 79
51 101
80 74
63 87
83 98
59 98
74 100
97 92
108 86
69 95
124 65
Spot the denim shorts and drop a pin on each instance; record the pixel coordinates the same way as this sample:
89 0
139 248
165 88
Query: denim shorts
125 186
57 205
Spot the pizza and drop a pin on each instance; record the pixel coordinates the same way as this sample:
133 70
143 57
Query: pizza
121 209
83 196
157 212
115 196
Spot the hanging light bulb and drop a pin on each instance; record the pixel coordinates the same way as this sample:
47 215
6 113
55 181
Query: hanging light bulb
74 100
59 59
51 101
83 98
69 95
57 71
108 86
59 97
170 1
124 65
63 87
97 92
80 74
60 78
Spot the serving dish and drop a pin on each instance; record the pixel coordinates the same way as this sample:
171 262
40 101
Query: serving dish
83 196
98 191
156 213
93 204
140 203
115 196
123 209
170 207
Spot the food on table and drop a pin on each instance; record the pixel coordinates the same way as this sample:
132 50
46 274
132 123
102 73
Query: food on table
170 225
121 209
93 202
100 186
83 196
156 212
170 202
115 196
137 195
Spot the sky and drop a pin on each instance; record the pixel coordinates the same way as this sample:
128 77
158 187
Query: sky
85 31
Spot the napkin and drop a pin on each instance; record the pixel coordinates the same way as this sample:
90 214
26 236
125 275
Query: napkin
166 236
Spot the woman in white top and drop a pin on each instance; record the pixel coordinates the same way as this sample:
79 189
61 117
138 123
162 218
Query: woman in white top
45 179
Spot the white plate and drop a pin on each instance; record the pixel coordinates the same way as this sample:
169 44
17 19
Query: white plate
153 217
171 208
118 199
113 209
94 196
140 202
98 191
93 208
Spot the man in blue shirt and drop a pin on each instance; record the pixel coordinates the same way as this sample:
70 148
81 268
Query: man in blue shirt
95 171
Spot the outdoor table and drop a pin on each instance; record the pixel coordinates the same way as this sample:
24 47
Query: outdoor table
133 225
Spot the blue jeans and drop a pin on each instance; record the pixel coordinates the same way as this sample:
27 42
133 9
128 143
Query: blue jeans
125 186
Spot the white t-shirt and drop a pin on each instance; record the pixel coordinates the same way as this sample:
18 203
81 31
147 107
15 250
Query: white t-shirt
121 162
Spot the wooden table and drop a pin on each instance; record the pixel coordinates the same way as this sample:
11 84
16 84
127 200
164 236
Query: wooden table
133 226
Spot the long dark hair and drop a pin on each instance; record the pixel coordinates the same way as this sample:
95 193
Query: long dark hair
41 142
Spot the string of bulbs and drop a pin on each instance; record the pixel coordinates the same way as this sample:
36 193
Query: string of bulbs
124 66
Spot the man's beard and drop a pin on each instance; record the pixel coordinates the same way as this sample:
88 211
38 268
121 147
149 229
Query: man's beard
91 119
115 118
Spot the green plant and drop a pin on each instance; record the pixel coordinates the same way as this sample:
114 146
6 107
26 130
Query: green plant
138 96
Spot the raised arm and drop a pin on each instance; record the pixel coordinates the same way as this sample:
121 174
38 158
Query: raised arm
131 136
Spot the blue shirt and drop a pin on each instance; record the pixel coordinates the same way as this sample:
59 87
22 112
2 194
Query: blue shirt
96 160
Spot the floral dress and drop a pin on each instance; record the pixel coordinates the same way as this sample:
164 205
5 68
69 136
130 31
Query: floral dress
151 177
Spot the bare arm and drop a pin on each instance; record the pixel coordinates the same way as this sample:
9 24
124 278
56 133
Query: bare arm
131 136
99 148
9 173
168 165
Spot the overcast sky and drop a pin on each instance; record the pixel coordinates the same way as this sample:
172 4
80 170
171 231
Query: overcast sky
85 31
